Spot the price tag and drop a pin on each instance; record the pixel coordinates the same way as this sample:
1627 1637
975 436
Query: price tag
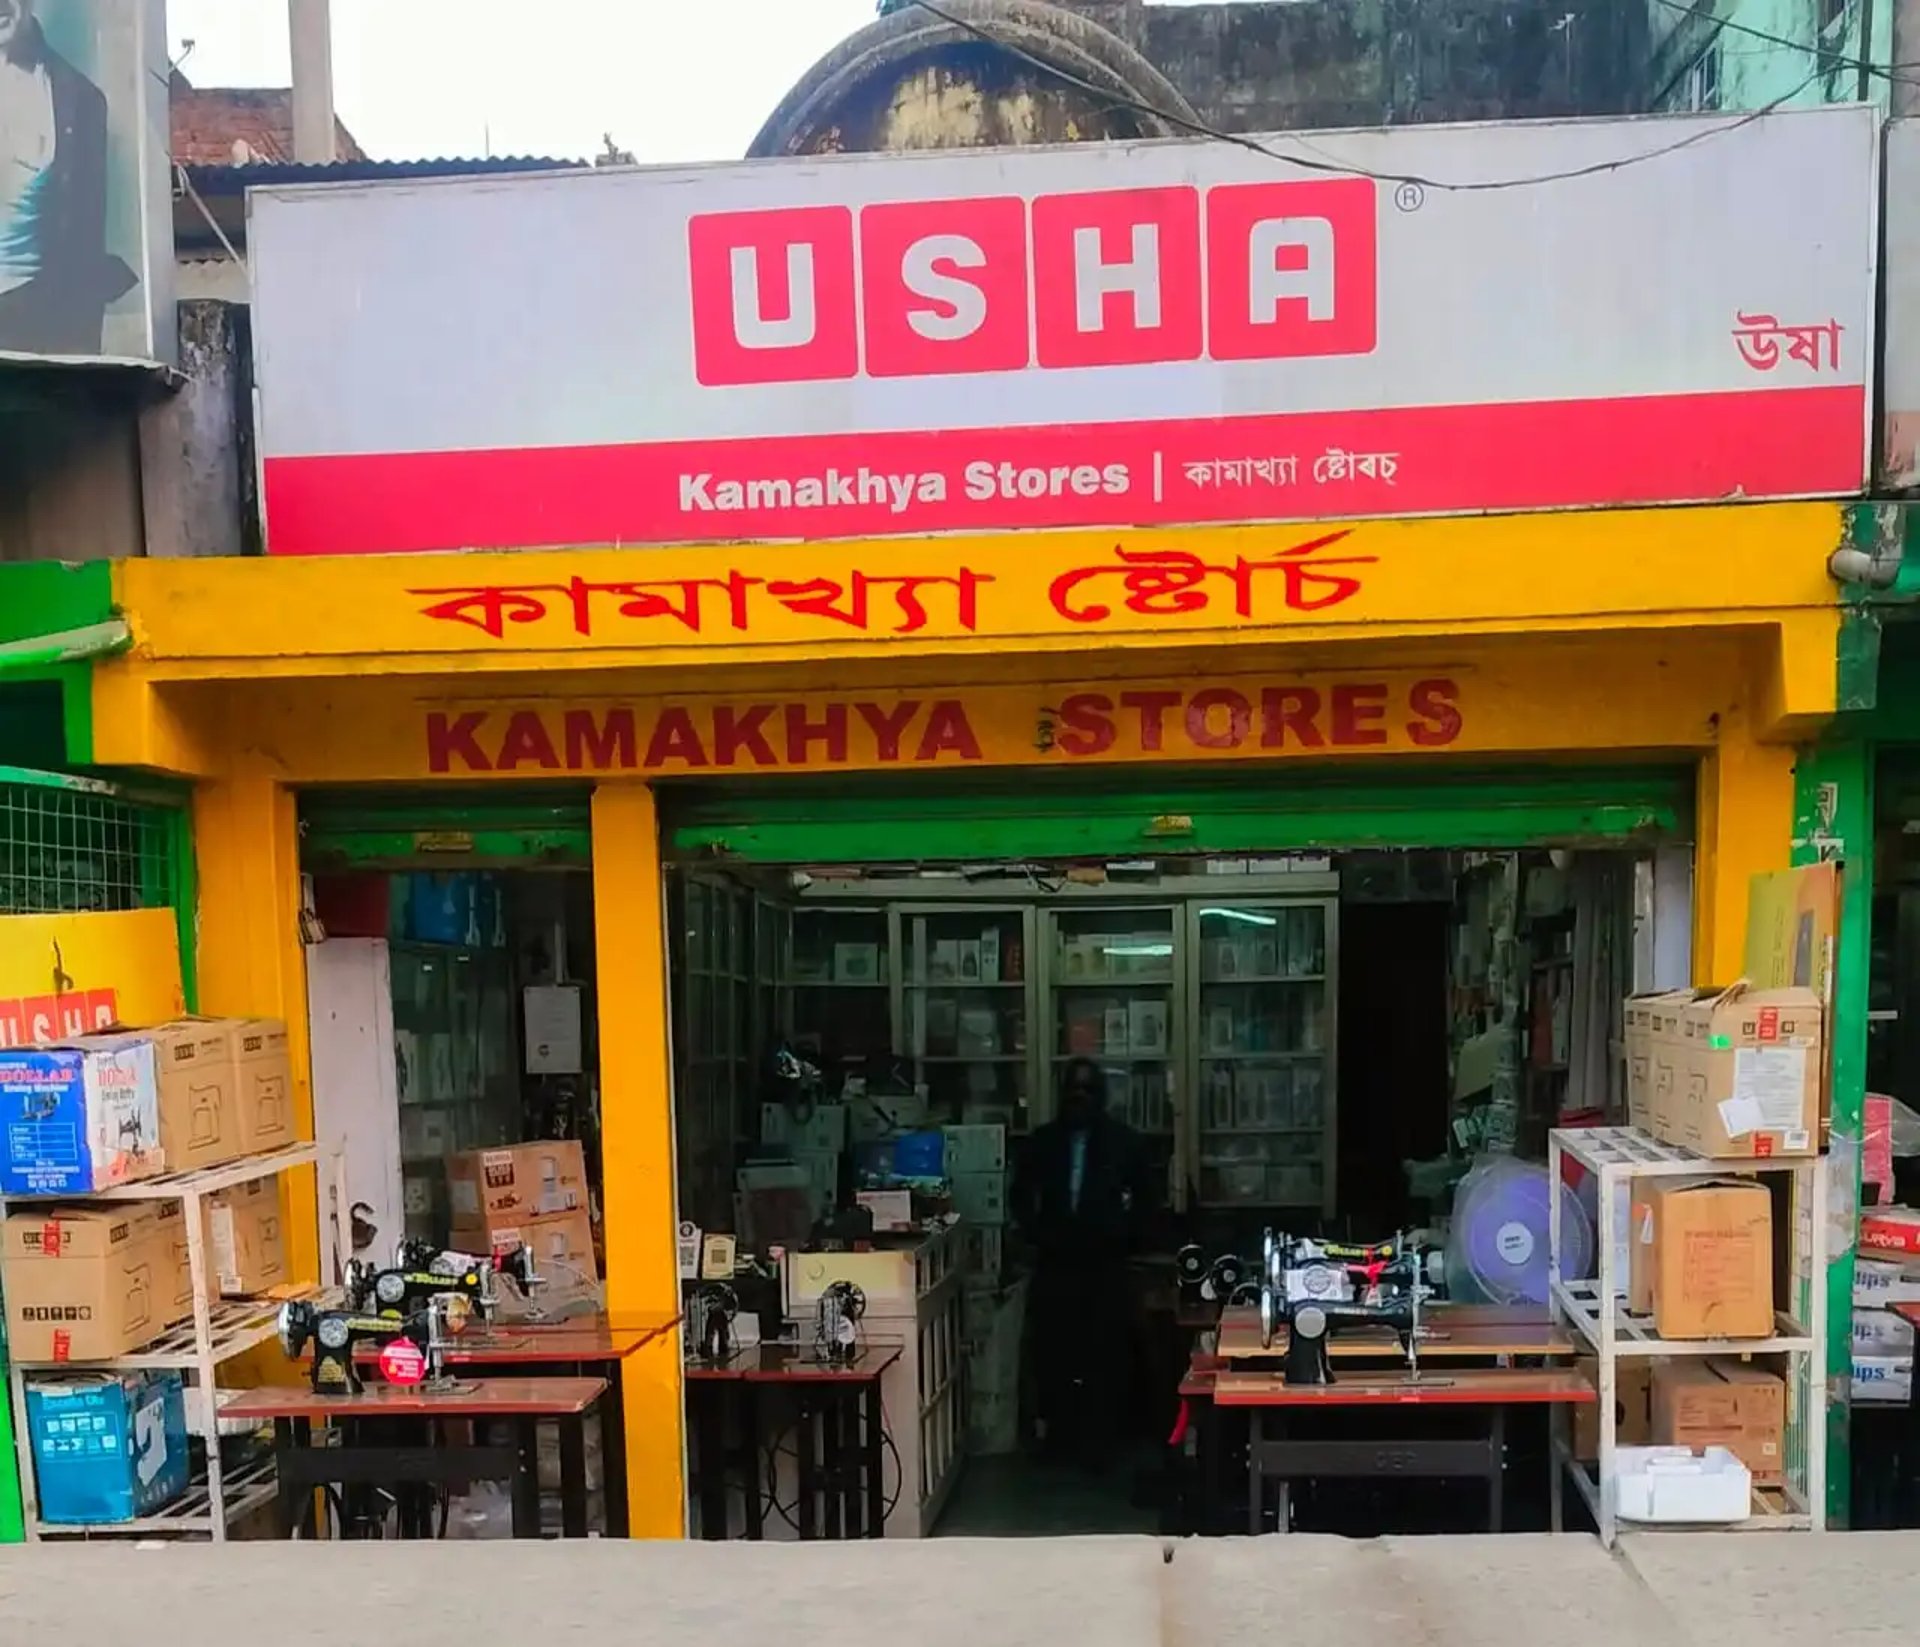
402 1363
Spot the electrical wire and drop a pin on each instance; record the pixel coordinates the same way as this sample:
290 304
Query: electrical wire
1830 59
1339 168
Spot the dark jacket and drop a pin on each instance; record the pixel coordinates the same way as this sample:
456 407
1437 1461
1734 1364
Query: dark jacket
1114 1193
62 310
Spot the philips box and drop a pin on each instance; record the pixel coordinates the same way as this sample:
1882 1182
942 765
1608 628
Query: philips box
108 1448
79 1116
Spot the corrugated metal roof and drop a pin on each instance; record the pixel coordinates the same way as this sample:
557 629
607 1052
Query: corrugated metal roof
236 179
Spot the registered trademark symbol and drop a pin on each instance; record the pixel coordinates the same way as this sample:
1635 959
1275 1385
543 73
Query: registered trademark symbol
1409 197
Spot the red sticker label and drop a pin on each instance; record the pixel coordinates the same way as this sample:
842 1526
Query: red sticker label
1769 1023
50 1238
62 1345
1763 1144
402 1363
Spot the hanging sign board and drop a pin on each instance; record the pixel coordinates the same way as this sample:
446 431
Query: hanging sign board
72 974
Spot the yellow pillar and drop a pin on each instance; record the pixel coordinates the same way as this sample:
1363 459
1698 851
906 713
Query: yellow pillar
247 851
636 1145
1744 814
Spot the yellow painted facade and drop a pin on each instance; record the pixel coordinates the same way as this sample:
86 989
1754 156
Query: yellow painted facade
1597 637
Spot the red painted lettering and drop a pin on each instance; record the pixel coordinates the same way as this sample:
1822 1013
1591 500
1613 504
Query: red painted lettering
42 1015
948 732
103 1009
831 733
888 725
451 738
944 286
1290 712
1087 722
742 731
1232 731
773 295
526 743
13 1024
598 747
1358 712
1435 709
1117 277
1293 269
675 739
1153 707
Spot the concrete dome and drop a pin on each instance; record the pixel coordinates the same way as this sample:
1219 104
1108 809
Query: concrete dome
912 80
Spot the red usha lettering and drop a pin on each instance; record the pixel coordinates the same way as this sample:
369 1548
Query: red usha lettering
1276 719
1118 278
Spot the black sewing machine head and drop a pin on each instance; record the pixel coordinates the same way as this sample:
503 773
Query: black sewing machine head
333 1335
836 1327
1314 1288
515 1262
710 1314
403 1290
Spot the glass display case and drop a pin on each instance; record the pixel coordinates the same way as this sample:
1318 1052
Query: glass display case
1113 981
964 998
1261 977
842 982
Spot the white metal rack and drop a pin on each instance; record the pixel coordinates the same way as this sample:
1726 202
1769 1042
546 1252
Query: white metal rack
1595 1310
219 1330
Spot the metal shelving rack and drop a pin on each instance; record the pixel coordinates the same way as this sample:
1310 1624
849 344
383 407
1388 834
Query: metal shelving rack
1595 1312
219 1331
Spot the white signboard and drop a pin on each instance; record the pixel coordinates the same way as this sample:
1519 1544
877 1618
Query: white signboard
1100 334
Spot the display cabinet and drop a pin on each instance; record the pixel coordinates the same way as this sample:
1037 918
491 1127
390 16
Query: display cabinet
1260 975
966 1004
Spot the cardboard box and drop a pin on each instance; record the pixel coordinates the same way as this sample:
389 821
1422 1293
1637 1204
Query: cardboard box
79 1116
562 1245
975 1148
980 1197
1746 1074
247 1244
1881 1332
1722 1403
513 1185
892 1209
263 1085
1883 1378
1644 1018
1893 1230
173 1264
1878 1282
109 1447
194 1065
1702 1261
85 1283
1632 1407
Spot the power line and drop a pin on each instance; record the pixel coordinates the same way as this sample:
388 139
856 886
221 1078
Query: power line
1200 128
1828 57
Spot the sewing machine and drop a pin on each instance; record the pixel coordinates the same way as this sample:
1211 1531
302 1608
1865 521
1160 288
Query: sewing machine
1314 1288
334 1333
1222 1280
836 1324
710 1314
422 1271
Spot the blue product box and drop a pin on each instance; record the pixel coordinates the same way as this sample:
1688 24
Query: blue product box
108 1448
919 1155
77 1118
440 907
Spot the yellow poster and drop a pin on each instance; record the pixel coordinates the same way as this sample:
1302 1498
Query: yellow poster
1792 918
63 975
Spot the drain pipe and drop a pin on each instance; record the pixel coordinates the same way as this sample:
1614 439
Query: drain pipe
1876 567
96 640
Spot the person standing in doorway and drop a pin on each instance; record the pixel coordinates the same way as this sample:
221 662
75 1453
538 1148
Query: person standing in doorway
56 278
1080 1198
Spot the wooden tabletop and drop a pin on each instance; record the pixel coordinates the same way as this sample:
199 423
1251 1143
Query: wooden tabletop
468 1398
528 1345
1447 1331
795 1364
1468 1386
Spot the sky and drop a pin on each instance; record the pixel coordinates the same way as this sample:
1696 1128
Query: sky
669 80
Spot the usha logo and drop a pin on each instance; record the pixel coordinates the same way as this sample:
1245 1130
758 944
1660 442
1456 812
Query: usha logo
1113 277
35 1018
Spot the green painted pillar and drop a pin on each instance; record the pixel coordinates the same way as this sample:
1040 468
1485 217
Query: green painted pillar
13 1527
1833 821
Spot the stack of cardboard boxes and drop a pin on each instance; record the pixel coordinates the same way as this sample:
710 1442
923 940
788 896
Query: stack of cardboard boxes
1886 1272
92 1282
532 1195
1732 1075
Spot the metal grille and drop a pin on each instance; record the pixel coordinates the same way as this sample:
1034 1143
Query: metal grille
75 844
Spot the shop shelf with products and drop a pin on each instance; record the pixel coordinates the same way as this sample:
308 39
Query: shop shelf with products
220 1330
1595 1312
967 997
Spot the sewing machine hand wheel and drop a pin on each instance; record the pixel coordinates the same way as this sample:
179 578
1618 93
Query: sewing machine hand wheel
1267 1322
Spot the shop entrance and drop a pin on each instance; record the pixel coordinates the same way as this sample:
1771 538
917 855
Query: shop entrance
1311 1006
